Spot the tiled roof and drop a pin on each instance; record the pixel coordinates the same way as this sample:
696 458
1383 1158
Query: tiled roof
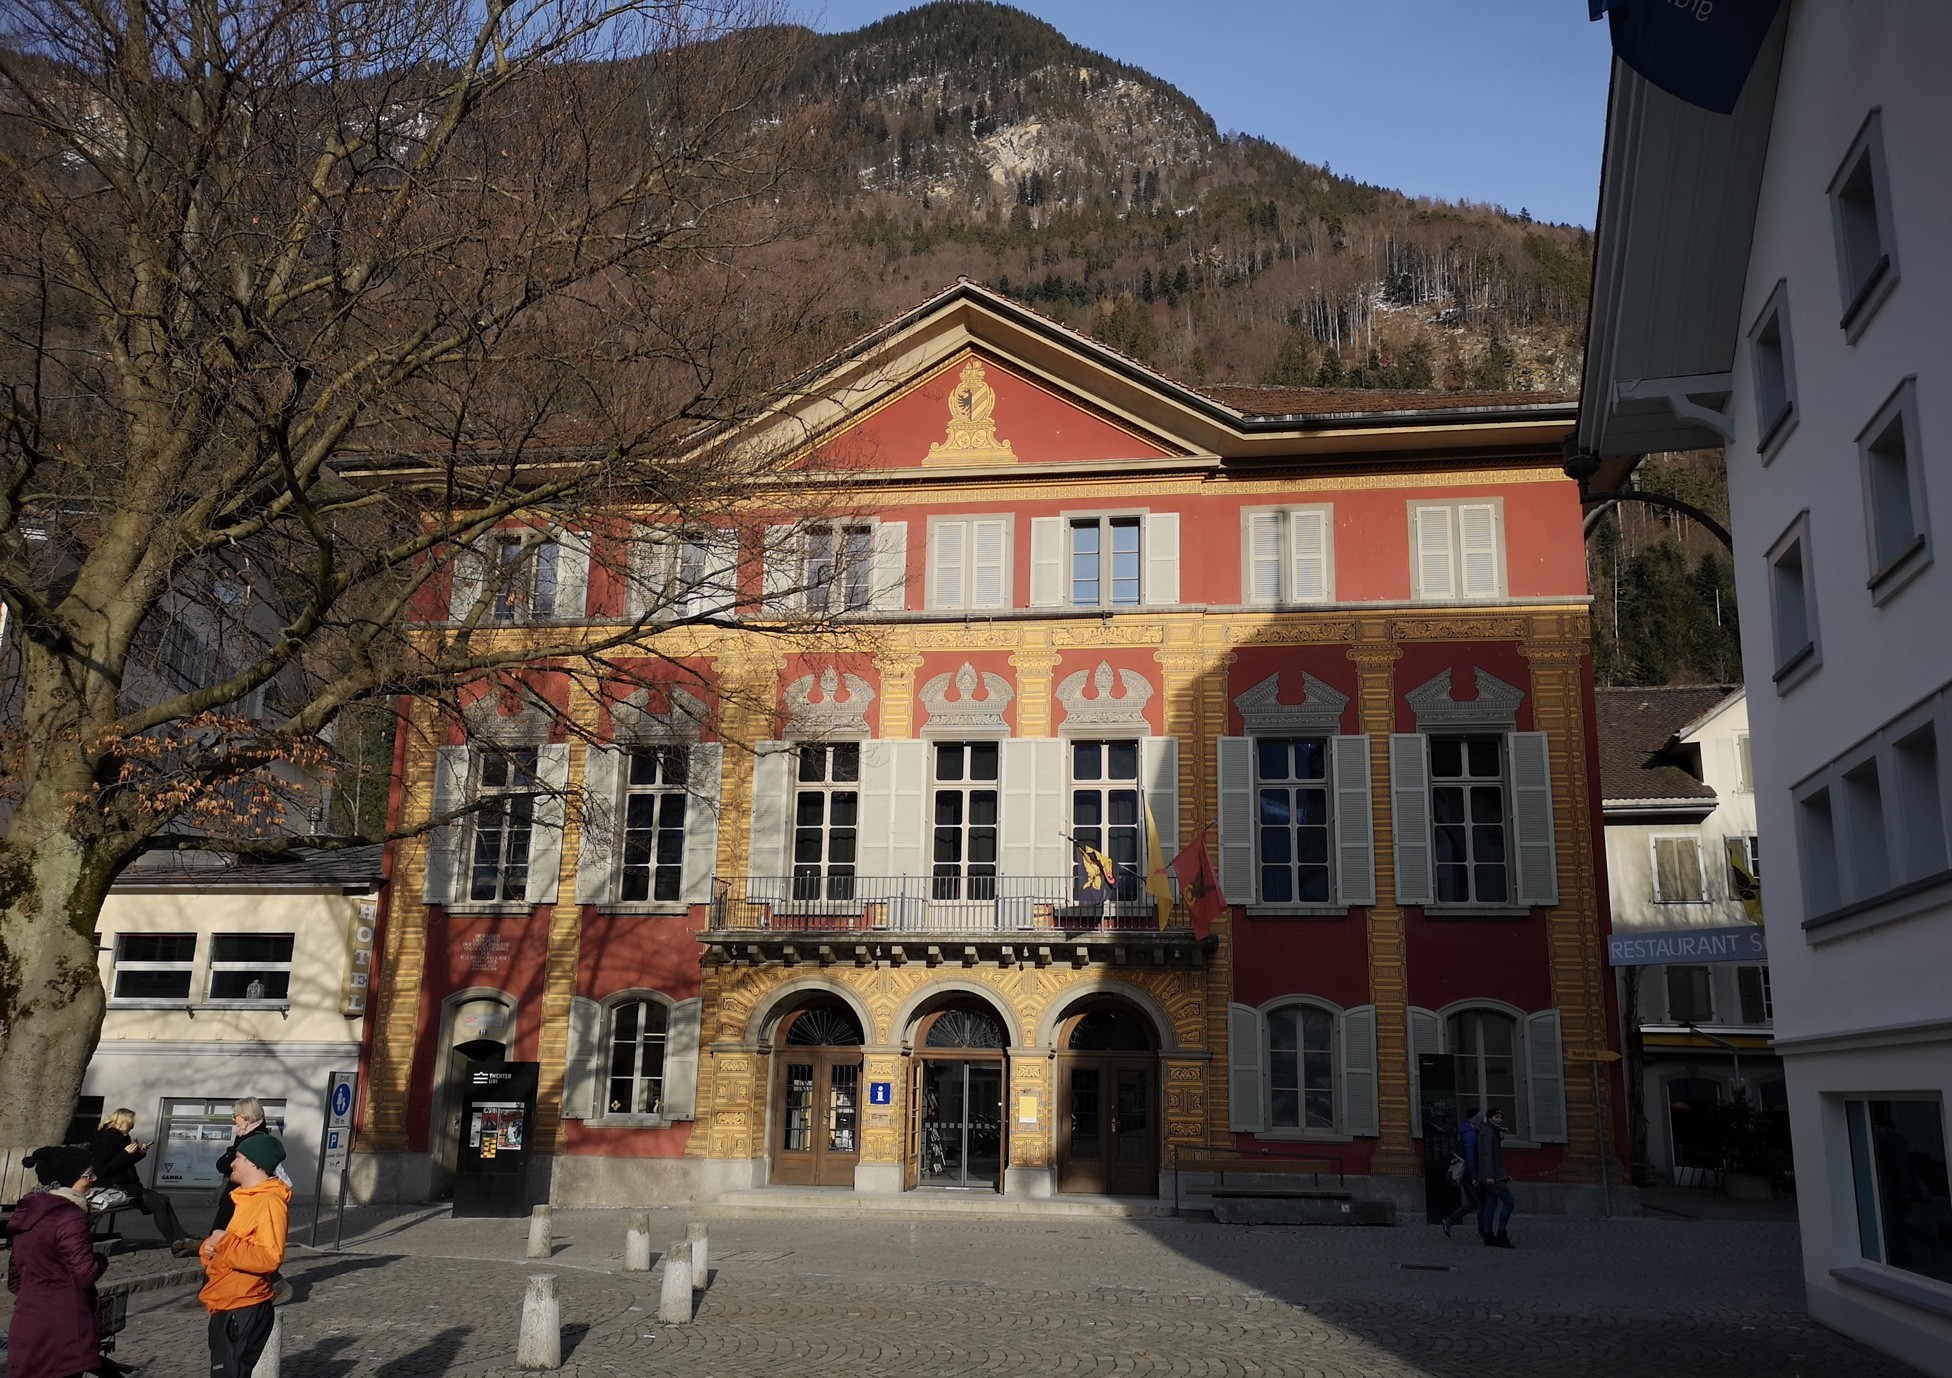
350 868
1635 726
1354 401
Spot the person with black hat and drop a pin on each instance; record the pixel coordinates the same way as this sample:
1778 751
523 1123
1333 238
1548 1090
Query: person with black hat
52 1271
1494 1216
240 1261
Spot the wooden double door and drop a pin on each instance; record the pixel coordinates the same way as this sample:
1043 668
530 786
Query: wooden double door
1108 1124
817 1120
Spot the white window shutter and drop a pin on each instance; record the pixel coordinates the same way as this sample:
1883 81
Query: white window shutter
772 809
1161 557
909 853
948 557
1435 574
1159 759
784 551
572 576
1264 558
546 833
1361 1115
1477 530
468 571
583 1067
889 590
989 575
647 564
718 592
1314 580
1031 843
1238 875
1546 1077
1355 832
1409 787
1047 562
680 1094
702 793
599 846
1531 818
1426 1036
875 850
444 843
1246 1081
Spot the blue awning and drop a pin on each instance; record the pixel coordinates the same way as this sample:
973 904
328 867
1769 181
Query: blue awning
1699 51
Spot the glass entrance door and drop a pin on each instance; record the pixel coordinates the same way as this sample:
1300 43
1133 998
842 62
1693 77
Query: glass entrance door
961 1140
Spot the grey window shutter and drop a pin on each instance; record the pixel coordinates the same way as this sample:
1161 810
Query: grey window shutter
1477 533
572 576
1314 552
1047 562
546 835
680 1096
1160 761
1162 557
718 592
647 565
1360 1114
702 793
598 850
1263 558
875 851
889 591
948 559
584 1067
783 571
909 789
772 807
1238 875
444 844
1531 818
1426 1036
467 572
1409 789
1545 1074
1031 844
1436 577
1355 831
1246 1081
989 563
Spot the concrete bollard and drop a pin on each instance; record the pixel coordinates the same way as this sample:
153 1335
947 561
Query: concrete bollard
540 1343
637 1243
674 1301
268 1361
701 1255
539 1232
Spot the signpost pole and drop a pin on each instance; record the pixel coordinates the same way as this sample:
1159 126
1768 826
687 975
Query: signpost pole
335 1148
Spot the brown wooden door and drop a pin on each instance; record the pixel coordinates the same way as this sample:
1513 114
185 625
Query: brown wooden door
817 1117
1108 1131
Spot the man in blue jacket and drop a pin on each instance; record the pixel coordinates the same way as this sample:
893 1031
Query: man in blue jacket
1470 1201
1489 1170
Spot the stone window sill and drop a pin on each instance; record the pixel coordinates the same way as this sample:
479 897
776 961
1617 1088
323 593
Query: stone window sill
1299 1136
1298 911
1888 1283
1454 912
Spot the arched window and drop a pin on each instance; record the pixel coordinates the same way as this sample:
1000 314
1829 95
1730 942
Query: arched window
1110 1031
1301 1063
964 1028
1488 1066
825 1026
636 1069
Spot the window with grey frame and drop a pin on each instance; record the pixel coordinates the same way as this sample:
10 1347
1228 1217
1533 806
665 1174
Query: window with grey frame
1894 493
1792 604
966 817
1470 855
526 577
1898 1168
1772 368
503 824
1860 206
634 1081
654 824
1105 568
1301 1062
838 572
1291 807
1485 1044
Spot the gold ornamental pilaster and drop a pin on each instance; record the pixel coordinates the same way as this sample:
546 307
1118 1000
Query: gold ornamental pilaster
1034 660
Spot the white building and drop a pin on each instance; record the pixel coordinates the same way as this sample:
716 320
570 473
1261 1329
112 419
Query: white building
229 979
1775 280
1683 868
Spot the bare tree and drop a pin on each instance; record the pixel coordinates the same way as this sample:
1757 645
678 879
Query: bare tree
306 307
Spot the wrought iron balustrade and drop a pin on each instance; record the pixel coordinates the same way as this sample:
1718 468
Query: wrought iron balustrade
839 902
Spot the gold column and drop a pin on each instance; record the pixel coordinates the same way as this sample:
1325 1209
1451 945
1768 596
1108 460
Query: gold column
1030 1073
898 664
881 1124
1034 660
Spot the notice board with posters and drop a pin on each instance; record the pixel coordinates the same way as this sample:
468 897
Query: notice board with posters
491 1164
193 1134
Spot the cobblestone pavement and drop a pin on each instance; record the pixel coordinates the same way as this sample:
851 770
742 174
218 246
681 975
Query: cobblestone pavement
948 1295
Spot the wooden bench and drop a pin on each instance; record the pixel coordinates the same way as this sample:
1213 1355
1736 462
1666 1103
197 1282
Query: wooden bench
1227 1170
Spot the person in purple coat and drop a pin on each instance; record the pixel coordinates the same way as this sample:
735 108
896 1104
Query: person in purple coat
52 1271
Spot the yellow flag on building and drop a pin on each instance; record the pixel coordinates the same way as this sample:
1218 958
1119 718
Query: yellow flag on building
1157 883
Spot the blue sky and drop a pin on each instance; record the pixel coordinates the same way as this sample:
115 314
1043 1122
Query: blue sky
1501 101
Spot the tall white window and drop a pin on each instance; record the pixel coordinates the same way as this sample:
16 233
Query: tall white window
154 966
1105 568
966 815
969 562
250 966
1485 1043
654 824
838 572
501 828
826 820
683 572
635 1084
1301 1065
526 570
1105 810
1472 863
1289 556
1457 550
1291 801
1678 875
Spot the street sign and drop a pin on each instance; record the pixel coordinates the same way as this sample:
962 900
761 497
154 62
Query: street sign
881 1093
337 1148
1742 943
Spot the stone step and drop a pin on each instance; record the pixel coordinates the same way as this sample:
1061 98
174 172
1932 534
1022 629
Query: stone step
838 1202
1300 1209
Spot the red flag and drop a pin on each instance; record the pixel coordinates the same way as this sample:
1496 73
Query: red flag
1198 885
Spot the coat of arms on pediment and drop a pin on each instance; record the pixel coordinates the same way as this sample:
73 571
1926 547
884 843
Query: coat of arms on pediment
972 424
819 708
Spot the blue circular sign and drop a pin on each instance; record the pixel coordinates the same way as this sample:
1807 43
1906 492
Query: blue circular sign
342 1098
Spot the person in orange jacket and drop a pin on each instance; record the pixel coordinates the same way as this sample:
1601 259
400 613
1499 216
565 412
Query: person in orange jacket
237 1262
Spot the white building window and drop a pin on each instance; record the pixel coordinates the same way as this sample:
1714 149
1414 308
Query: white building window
501 828
526 570
830 568
966 814
1301 1068
250 966
654 824
676 573
1468 820
1773 368
1457 550
1792 604
1744 765
634 1082
1485 1043
1104 560
1106 811
837 570
154 966
826 820
1744 866
521 575
1860 208
1898 1175
1291 809
1104 566
1679 877
1894 495
1288 555
969 563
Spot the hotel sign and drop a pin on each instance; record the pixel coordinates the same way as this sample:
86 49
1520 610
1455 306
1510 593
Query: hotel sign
1743 943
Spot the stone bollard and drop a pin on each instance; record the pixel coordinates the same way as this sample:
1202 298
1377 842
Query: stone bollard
674 1302
539 1232
701 1255
268 1361
540 1344
637 1243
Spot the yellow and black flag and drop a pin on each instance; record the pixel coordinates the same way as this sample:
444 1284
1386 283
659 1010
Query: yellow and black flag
1098 874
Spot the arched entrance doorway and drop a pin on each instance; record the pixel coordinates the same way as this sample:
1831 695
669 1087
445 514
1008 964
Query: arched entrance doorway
955 1133
1108 1096
478 1027
817 1097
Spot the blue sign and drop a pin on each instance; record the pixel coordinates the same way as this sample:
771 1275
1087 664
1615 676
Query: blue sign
342 1099
881 1093
1743 943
